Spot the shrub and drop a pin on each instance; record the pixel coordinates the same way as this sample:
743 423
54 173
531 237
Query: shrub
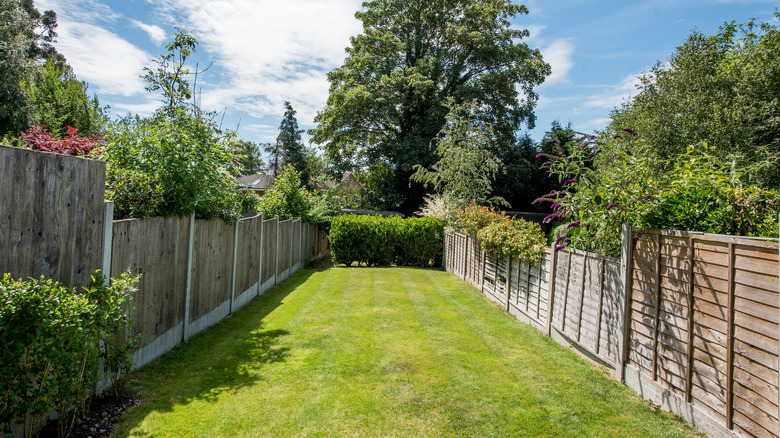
514 237
57 344
476 217
38 139
378 241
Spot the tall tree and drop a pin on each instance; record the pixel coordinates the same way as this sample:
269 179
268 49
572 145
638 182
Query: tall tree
387 102
274 164
291 146
248 158
721 89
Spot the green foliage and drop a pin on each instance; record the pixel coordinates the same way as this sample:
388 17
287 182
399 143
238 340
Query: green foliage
466 166
16 67
288 198
501 235
387 102
60 100
290 146
717 89
57 344
697 190
172 164
247 157
176 162
476 217
444 209
170 75
514 238
382 241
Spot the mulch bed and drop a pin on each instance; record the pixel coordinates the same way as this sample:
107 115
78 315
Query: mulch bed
104 412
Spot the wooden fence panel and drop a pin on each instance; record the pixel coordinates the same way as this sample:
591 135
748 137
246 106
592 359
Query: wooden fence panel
157 249
705 324
248 254
212 270
285 229
296 242
269 249
51 215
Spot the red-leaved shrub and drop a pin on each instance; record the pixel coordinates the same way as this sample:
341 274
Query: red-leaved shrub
38 139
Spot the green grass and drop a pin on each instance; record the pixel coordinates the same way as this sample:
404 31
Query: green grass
380 352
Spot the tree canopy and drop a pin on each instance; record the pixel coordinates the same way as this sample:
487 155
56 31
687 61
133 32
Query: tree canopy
387 101
722 89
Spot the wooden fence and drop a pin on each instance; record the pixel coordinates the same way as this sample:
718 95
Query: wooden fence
51 215
54 222
194 273
698 332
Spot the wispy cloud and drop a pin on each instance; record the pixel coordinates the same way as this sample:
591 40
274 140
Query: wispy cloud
156 33
559 55
270 51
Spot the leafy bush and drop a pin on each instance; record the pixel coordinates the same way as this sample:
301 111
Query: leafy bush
514 237
172 164
38 139
476 217
377 241
606 185
288 198
443 208
57 344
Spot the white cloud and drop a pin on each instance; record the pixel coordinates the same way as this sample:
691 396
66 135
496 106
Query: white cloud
270 51
614 95
106 61
156 33
559 56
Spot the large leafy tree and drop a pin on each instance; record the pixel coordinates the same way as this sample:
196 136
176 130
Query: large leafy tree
387 102
721 89
247 156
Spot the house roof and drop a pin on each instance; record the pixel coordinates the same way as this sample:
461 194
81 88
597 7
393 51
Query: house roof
257 182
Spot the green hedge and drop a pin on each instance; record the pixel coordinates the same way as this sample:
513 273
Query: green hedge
57 343
383 241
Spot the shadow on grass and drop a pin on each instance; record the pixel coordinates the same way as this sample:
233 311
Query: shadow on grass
224 358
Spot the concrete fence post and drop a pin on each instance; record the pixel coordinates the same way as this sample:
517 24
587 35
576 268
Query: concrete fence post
624 302
233 272
551 287
188 285
108 239
276 265
260 257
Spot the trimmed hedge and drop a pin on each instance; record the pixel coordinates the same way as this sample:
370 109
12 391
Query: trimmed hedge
383 241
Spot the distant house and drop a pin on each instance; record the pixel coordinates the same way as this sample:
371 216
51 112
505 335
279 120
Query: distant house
258 184
348 182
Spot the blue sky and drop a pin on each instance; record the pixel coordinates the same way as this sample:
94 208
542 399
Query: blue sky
267 51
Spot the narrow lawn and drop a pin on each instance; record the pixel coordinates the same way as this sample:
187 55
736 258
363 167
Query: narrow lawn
380 352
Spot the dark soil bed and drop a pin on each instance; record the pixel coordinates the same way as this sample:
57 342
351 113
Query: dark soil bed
104 412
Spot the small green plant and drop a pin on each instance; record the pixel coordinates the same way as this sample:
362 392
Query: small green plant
54 342
515 238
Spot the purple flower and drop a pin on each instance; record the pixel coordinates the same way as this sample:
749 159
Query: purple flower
592 137
630 131
629 153
558 240
559 247
555 141
573 224
551 217
616 136
610 159
554 206
597 152
569 181
611 206
587 227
